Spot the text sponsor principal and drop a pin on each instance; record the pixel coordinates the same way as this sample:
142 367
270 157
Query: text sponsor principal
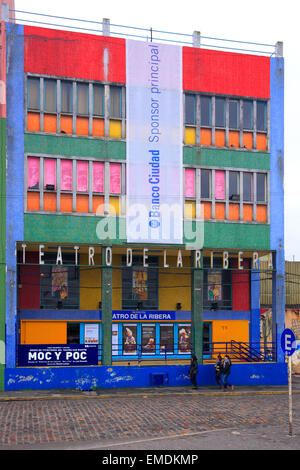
154 146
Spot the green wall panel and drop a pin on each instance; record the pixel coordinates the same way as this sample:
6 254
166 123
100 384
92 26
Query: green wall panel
85 229
226 158
75 146
71 228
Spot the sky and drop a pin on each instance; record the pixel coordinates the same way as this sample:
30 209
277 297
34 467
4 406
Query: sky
261 21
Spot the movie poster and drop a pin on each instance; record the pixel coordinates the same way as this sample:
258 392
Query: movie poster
60 282
214 286
184 339
148 339
129 339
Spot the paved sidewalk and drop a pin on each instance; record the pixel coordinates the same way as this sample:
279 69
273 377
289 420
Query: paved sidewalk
148 391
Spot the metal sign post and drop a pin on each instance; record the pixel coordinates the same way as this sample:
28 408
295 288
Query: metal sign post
288 345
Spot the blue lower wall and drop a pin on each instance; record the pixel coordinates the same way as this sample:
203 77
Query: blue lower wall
87 378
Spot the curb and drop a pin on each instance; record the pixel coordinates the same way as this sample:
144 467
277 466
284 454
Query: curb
145 395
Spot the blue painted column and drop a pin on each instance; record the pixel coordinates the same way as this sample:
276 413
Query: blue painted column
14 178
277 198
254 333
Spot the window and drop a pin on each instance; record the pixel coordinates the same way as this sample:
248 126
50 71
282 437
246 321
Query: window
217 285
140 284
247 114
66 97
219 184
98 100
261 187
261 116
205 184
73 333
50 96
234 189
205 107
59 283
50 174
184 338
234 114
247 187
220 112
33 98
190 109
33 177
129 338
148 338
166 339
115 102
82 98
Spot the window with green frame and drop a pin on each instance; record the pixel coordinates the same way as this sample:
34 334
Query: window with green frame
217 286
140 284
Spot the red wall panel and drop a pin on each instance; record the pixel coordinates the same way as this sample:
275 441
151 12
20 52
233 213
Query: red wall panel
226 72
29 283
75 55
241 287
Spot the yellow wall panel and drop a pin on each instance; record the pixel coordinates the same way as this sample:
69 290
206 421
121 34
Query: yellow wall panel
115 129
190 136
117 284
90 283
174 285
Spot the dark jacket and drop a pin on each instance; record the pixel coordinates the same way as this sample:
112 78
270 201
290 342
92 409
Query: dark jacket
194 366
226 366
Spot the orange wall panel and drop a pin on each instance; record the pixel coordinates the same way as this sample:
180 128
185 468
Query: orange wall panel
50 123
82 126
98 127
82 203
220 210
50 202
234 139
206 210
98 204
33 201
234 211
248 212
33 122
43 332
66 202
66 124
248 140
261 213
261 142
205 137
219 138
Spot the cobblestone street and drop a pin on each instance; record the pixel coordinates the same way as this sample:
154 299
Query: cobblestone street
65 420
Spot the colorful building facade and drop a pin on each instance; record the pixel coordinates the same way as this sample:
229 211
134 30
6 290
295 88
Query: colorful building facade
84 302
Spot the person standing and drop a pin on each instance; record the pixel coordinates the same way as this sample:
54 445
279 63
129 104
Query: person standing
226 367
218 370
193 371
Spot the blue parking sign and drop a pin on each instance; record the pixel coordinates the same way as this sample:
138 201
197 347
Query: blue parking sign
288 342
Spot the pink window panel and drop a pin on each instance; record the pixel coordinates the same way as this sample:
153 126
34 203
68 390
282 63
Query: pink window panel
219 184
98 177
66 175
115 178
33 165
82 176
189 183
50 172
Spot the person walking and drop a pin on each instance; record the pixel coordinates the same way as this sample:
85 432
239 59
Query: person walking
193 371
218 370
226 367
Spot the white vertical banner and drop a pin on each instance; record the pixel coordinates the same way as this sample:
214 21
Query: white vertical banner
154 203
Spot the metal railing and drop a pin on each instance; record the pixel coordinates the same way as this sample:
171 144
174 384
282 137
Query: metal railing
146 34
